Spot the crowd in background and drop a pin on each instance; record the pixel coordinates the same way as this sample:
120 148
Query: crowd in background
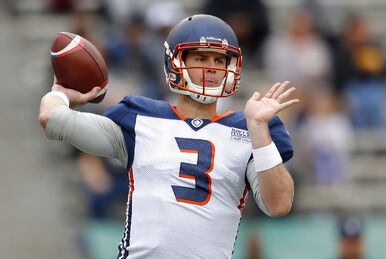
339 73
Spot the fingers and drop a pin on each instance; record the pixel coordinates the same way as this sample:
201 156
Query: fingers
280 89
92 94
57 87
288 104
284 95
272 90
256 96
55 84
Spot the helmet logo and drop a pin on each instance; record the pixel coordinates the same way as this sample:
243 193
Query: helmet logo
213 38
197 123
204 39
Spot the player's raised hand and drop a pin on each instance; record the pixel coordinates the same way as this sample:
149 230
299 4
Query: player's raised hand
263 109
76 98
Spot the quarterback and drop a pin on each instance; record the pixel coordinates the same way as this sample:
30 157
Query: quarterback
189 168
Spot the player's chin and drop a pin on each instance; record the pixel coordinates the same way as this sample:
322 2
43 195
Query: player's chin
211 83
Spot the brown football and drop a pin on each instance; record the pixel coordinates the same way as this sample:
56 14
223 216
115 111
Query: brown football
78 64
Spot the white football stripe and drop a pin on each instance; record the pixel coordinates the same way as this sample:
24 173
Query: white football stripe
102 91
75 42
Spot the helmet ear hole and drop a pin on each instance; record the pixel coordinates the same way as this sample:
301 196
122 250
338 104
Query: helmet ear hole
172 77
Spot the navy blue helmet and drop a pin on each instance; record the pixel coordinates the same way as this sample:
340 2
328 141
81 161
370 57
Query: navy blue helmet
202 33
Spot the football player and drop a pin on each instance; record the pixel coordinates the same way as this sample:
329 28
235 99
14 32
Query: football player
189 168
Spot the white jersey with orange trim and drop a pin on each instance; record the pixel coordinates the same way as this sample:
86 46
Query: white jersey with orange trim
187 179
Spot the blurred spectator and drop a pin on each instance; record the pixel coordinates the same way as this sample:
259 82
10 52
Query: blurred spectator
325 17
359 76
299 55
248 18
254 247
121 12
62 5
136 49
160 17
122 46
105 182
125 26
327 139
351 245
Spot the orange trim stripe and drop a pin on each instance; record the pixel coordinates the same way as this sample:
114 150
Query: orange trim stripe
131 184
243 200
187 176
213 119
175 111
217 117
189 151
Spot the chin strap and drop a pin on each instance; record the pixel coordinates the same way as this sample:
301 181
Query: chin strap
202 98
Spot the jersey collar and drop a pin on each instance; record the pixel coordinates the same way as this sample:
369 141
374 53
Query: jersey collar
197 123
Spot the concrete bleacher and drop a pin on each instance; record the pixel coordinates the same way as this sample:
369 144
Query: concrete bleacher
366 189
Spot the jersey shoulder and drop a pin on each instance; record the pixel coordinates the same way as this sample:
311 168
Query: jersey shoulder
133 105
234 120
280 136
279 133
126 112
238 120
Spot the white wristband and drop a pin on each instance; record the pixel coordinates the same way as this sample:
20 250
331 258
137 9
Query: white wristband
266 157
59 94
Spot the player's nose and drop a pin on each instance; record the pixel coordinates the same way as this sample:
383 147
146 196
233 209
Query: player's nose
211 64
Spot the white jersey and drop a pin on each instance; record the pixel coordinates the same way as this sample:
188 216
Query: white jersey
187 179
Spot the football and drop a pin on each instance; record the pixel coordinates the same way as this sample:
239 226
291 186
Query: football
78 64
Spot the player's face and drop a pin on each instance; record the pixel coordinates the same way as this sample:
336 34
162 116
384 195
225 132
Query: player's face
213 77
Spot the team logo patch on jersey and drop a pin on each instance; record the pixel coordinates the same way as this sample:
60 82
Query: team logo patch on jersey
240 135
197 123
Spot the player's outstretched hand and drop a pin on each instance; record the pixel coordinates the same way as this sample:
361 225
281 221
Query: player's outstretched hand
263 109
76 98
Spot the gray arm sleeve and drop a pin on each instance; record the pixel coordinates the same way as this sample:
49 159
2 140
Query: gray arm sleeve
254 183
90 133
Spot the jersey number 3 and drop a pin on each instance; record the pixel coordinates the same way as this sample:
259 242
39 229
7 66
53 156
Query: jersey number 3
199 195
